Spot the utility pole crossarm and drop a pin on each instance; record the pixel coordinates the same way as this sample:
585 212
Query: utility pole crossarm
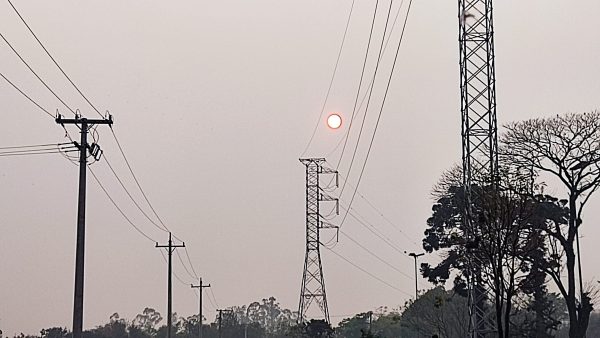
78 120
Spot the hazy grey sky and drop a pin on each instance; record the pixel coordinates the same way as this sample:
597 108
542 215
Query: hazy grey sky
214 101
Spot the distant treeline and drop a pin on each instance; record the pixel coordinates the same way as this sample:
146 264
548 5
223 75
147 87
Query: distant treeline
436 312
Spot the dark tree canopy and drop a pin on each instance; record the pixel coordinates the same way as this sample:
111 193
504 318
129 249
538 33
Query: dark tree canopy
509 242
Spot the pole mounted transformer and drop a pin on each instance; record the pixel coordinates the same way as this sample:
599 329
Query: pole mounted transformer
313 284
479 140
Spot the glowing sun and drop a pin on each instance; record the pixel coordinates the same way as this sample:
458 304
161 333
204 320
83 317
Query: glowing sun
334 121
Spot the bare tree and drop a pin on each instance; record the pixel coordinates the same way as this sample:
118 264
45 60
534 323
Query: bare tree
568 148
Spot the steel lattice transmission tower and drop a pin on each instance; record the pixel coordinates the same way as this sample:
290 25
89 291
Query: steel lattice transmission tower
479 136
313 284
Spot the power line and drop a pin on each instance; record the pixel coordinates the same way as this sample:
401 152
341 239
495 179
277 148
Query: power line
36 146
36 75
368 273
131 197
210 300
337 61
138 183
55 148
376 256
185 267
163 227
362 101
174 273
190 261
34 153
26 96
380 112
362 73
380 213
97 111
87 100
213 296
116 139
94 107
362 125
150 220
61 148
119 209
374 232
52 58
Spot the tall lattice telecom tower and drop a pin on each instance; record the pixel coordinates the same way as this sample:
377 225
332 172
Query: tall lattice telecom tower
479 135
313 284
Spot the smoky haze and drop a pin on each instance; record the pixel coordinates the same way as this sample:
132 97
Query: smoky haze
213 103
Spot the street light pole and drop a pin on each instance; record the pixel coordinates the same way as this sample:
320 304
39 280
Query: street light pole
415 256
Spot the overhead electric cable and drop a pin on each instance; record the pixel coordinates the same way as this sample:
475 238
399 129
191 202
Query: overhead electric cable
372 230
137 182
362 101
337 61
26 96
368 273
213 296
376 256
362 125
198 295
98 112
33 153
173 272
38 149
118 208
210 300
25 152
29 150
130 196
184 267
380 213
37 146
150 219
380 113
362 73
190 261
36 74
53 60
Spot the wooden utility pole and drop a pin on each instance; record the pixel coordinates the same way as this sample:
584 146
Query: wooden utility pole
200 319
221 320
170 249
84 125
